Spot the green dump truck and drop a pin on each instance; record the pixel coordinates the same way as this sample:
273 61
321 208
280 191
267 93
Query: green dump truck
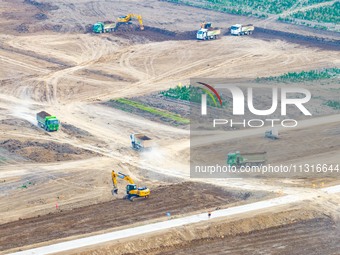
104 27
246 159
47 121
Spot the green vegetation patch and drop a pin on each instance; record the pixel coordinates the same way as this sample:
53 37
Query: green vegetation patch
237 7
334 104
249 7
303 76
328 14
189 93
154 111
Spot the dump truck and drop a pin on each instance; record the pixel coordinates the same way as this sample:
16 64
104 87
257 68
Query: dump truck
47 121
246 159
140 141
239 29
104 27
207 32
272 134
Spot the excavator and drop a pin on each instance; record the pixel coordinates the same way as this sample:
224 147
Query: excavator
127 19
132 191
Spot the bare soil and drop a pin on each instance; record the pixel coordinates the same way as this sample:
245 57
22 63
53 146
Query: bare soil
44 151
314 236
178 199
288 232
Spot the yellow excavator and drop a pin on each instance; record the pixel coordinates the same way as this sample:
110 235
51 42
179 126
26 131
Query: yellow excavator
127 19
132 191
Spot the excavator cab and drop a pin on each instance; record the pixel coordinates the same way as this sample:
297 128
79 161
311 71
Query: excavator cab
130 187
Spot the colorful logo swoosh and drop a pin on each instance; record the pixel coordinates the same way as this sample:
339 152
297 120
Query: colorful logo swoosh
209 93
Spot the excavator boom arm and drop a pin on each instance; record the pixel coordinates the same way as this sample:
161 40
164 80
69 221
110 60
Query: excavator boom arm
114 182
128 17
126 178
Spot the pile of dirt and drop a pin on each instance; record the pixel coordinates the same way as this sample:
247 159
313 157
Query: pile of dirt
22 28
311 41
75 131
177 199
44 151
42 6
40 16
15 123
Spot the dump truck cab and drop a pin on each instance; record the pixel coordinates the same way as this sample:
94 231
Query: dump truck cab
235 29
246 158
52 123
98 27
234 158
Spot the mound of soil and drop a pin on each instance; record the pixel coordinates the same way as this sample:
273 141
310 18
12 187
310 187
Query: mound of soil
19 123
42 6
40 16
44 151
22 28
75 131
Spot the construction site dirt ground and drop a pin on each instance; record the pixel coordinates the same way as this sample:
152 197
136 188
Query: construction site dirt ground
178 199
49 61
291 231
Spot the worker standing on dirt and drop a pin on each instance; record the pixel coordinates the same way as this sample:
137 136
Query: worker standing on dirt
209 214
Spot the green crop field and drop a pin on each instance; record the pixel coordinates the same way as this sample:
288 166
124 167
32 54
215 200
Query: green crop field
328 14
153 110
264 8
333 104
303 76
259 8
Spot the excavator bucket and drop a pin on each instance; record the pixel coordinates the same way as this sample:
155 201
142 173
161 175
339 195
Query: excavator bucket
114 192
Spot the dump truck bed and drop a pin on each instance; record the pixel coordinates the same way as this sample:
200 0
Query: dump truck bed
254 156
43 114
142 137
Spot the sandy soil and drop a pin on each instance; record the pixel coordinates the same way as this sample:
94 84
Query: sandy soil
53 65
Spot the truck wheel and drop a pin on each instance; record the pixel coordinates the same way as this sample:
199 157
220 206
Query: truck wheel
215 37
